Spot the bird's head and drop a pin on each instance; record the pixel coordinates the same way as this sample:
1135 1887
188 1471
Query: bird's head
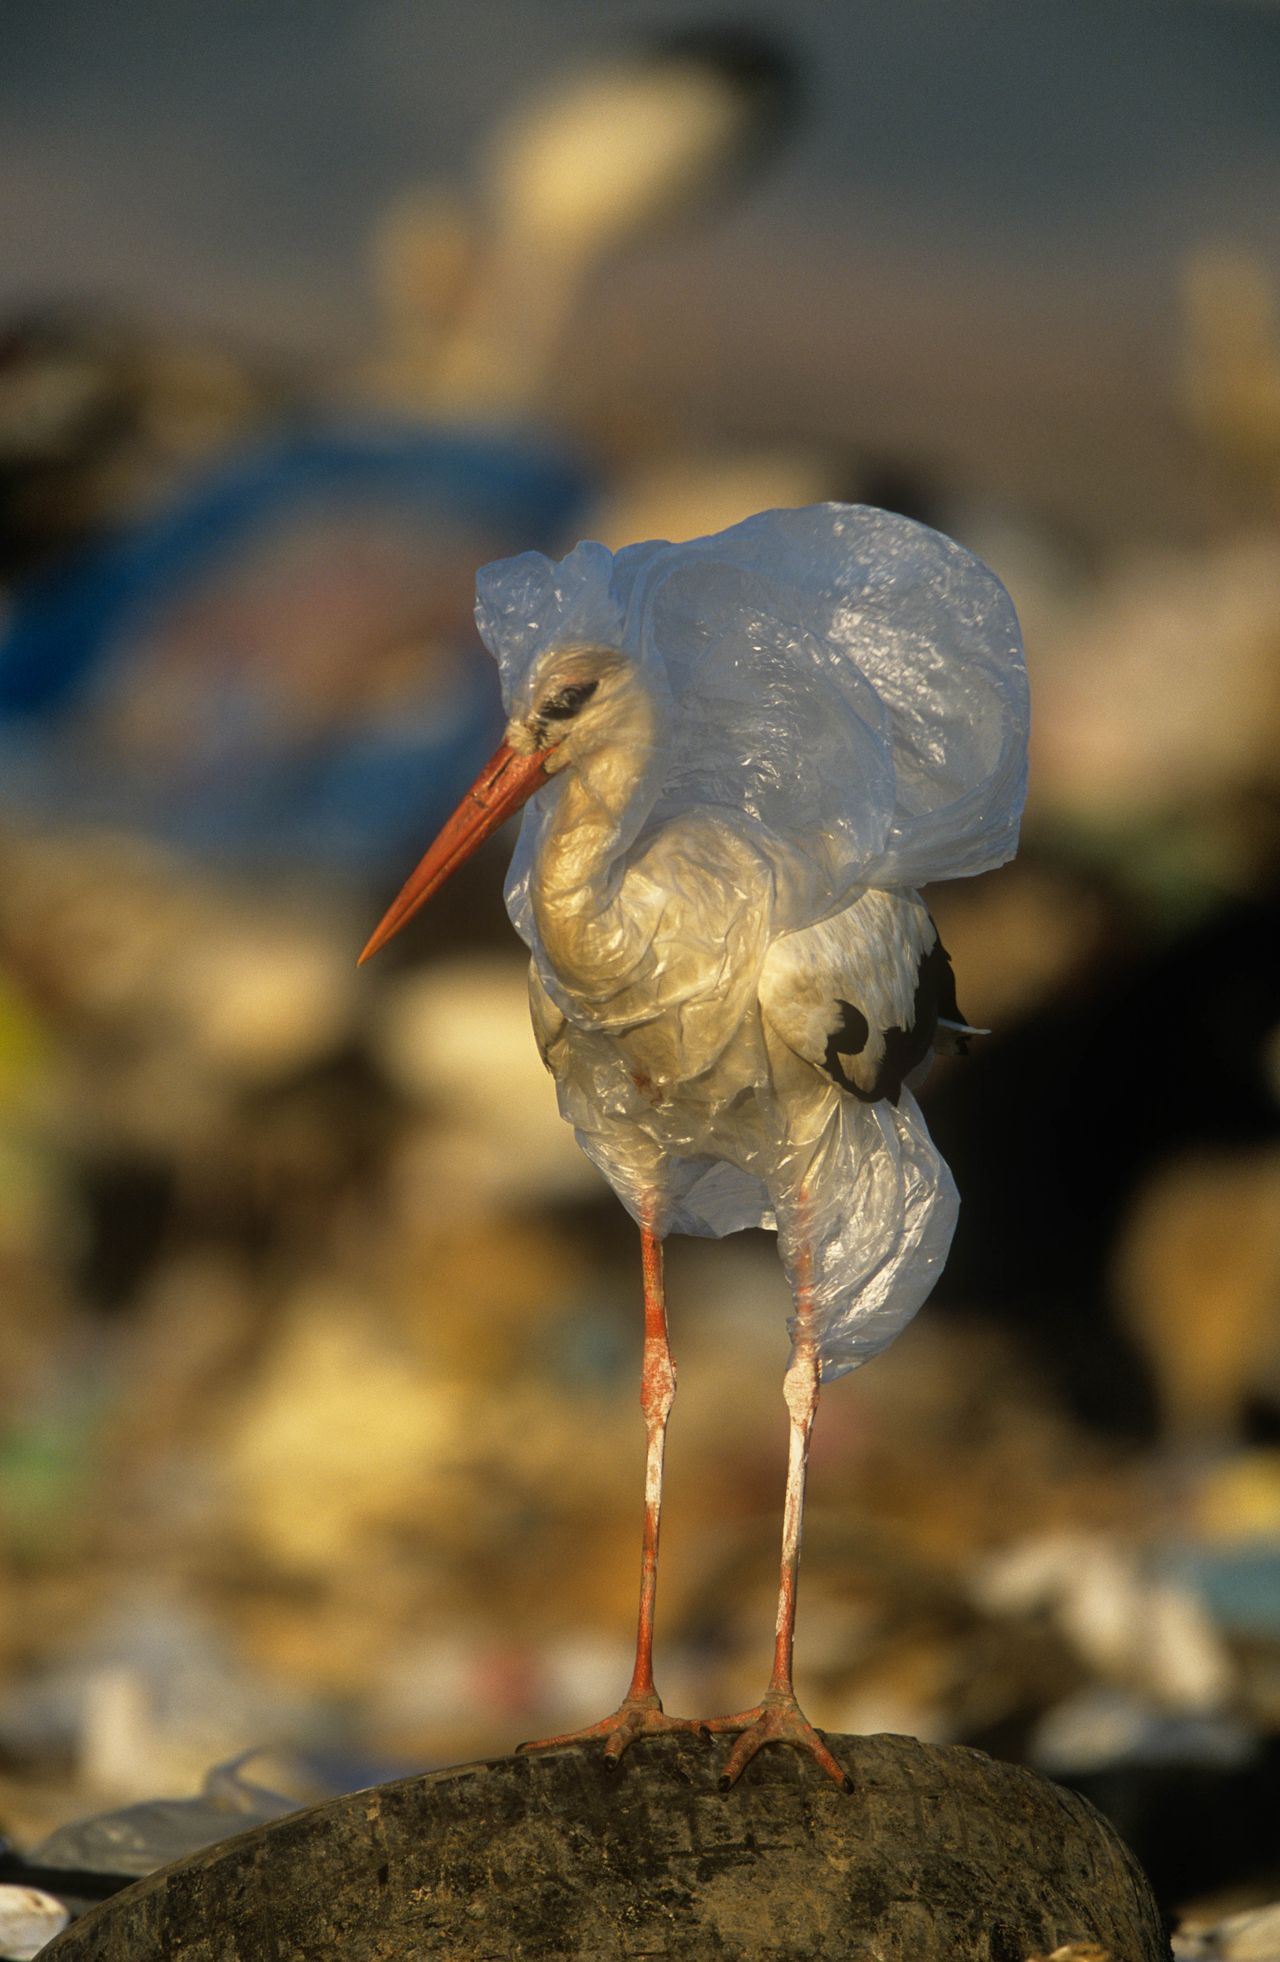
575 708
577 701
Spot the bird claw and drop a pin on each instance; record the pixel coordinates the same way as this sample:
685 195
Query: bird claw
640 1716
777 1720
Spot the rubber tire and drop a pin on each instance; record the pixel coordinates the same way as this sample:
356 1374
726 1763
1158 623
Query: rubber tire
937 1856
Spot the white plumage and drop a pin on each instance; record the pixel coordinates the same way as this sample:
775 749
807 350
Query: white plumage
792 725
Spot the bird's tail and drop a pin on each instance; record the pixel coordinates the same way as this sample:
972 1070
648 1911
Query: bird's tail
953 1038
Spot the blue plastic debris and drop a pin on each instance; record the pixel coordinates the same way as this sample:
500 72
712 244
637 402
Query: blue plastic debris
236 756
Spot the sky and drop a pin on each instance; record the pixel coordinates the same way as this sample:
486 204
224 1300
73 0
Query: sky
970 252
227 156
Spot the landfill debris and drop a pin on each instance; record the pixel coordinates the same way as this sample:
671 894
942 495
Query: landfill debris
1131 1624
139 1838
29 1918
1252 1936
317 1398
1102 1727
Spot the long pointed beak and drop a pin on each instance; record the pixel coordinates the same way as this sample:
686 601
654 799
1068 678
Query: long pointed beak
505 783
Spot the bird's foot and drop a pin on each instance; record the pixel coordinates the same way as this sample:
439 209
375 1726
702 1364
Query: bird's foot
636 1716
778 1719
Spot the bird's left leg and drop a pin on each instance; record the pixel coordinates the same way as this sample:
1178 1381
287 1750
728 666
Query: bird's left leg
778 1718
640 1712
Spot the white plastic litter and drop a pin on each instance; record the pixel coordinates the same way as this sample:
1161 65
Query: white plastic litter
792 725
29 1918
1253 1936
136 1839
1100 1729
1133 1624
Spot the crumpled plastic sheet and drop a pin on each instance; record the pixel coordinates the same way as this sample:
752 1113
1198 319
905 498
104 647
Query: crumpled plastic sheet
136 1839
811 704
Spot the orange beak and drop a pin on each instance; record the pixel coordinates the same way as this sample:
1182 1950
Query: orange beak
505 783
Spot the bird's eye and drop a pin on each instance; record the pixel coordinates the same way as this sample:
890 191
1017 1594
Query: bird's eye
560 706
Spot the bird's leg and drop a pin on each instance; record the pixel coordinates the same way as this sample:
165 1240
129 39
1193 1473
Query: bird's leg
640 1712
657 1394
778 1718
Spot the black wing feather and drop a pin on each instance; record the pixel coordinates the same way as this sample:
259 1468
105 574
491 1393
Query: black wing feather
904 1049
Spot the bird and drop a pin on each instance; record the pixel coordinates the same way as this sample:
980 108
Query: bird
738 758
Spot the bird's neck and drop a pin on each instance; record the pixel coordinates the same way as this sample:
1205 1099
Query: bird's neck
594 942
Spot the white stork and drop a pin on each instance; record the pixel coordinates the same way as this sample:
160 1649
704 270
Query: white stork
740 756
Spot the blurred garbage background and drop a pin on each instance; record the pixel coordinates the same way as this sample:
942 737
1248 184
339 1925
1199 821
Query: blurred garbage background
318 1341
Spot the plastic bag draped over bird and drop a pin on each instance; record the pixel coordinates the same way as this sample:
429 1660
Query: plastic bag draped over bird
839 707
848 678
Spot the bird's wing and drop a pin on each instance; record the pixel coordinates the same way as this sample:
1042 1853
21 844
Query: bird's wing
865 995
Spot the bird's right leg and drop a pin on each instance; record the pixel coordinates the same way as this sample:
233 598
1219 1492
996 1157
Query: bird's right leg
778 1718
640 1712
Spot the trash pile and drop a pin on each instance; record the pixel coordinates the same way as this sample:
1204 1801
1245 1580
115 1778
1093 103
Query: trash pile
318 1427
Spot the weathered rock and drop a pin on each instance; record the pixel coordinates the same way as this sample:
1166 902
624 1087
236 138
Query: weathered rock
938 1856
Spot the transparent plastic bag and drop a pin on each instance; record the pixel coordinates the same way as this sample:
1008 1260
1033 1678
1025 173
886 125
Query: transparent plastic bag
834 699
